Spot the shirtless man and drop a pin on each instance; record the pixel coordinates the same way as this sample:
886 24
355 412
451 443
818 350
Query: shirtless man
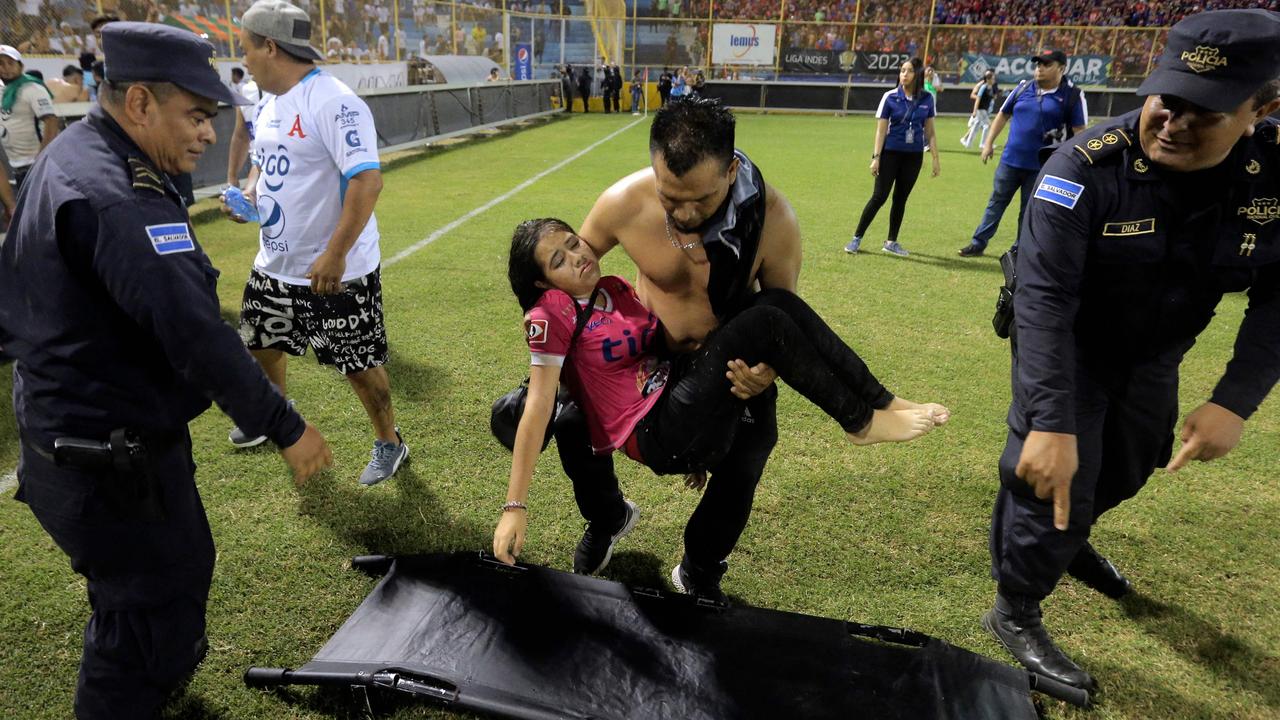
676 222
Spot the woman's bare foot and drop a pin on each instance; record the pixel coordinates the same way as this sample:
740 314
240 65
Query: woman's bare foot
894 426
939 412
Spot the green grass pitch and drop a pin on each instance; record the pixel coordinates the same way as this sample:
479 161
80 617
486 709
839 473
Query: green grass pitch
893 535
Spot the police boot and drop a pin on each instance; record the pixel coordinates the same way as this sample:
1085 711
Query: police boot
1098 573
1015 622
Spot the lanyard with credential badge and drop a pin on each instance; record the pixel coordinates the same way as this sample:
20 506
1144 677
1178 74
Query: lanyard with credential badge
910 136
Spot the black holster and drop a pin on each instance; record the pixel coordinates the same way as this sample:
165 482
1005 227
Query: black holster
1003 319
121 464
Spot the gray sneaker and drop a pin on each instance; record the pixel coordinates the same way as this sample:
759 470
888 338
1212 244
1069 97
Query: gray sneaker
854 244
241 440
387 459
894 248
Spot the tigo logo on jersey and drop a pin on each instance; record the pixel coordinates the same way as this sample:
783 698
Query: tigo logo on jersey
1059 191
170 239
536 330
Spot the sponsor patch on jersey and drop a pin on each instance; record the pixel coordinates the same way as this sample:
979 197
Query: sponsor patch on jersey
171 238
536 331
1059 191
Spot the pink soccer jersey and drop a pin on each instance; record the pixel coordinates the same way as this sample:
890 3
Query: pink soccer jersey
614 374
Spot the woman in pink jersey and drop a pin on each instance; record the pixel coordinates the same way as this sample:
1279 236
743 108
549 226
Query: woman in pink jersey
675 414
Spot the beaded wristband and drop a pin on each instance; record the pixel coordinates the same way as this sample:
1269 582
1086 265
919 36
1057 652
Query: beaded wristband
514 505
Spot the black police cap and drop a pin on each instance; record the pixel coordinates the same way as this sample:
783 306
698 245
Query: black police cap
1218 59
151 52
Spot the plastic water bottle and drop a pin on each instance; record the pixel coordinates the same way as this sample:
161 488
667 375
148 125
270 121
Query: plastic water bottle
239 204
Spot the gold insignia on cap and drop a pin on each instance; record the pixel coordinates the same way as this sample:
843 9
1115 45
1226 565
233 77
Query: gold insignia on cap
1094 144
1253 168
1110 139
1204 58
1140 165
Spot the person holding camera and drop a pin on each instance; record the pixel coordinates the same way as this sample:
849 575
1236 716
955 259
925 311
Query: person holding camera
1134 232
1042 111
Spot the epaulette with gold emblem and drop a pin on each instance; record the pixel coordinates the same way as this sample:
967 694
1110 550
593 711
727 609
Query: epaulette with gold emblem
144 176
1102 146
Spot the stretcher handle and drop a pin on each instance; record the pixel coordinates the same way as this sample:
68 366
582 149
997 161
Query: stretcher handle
259 677
1059 690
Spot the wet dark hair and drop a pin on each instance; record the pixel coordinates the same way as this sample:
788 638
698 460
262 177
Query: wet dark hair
917 83
523 270
689 130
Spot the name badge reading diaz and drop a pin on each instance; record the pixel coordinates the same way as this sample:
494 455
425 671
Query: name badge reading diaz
1129 227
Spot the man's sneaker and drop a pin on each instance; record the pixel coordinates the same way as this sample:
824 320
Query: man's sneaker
708 588
595 549
241 440
894 248
387 459
854 244
971 250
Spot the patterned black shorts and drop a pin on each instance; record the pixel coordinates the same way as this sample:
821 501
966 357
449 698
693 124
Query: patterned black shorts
345 330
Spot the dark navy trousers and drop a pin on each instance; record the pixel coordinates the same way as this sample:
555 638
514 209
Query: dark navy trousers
148 576
1124 426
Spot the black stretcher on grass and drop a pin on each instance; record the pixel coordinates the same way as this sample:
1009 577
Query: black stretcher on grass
530 642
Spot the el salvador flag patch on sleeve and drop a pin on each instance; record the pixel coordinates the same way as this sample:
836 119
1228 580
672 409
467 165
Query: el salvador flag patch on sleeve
171 238
1059 191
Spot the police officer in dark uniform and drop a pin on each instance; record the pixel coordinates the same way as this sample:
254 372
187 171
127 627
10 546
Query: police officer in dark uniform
1136 229
108 304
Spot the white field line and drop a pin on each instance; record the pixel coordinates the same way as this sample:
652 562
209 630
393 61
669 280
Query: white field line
8 481
405 253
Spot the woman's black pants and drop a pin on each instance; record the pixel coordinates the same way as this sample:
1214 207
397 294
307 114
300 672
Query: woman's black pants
898 171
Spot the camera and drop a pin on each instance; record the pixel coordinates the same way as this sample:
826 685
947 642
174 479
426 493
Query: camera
1054 136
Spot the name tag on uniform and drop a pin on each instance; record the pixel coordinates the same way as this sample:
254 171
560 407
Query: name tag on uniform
171 238
1059 191
1129 227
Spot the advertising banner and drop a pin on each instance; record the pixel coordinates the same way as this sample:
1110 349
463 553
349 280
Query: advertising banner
806 60
880 63
524 62
743 44
1010 69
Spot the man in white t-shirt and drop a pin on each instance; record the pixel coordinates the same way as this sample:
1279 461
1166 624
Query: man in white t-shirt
316 178
27 121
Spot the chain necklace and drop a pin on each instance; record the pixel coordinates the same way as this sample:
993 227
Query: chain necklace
677 244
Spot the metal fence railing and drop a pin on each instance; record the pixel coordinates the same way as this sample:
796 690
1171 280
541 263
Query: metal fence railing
837 41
